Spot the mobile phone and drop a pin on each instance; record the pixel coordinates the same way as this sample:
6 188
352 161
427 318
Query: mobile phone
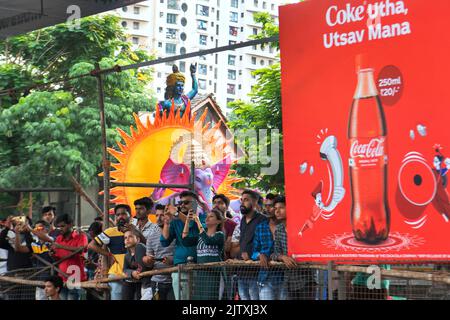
194 206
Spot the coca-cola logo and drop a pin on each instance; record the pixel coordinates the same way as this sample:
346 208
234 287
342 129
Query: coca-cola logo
373 149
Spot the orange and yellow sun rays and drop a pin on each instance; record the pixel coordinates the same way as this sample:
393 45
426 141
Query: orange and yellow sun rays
143 152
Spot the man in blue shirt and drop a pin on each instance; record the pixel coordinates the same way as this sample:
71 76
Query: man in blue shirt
174 220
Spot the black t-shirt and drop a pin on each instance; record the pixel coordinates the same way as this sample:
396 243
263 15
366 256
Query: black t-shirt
16 260
248 232
134 262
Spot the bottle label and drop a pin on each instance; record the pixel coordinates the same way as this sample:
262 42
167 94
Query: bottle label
367 152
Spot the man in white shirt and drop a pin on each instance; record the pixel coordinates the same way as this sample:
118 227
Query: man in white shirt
143 208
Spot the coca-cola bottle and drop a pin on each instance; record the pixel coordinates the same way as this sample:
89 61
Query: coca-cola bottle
367 133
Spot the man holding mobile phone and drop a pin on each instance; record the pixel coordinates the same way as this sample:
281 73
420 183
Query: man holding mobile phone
157 258
175 218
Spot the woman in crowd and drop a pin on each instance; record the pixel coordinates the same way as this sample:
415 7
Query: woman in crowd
210 244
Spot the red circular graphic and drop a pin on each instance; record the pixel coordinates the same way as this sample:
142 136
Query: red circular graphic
396 242
390 84
417 183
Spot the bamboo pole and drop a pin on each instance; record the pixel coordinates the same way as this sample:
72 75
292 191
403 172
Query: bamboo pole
442 277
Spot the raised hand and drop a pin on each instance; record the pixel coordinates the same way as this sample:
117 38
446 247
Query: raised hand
193 68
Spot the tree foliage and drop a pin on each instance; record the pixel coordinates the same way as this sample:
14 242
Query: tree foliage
262 112
49 132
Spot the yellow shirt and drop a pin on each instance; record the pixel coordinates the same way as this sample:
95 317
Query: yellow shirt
114 240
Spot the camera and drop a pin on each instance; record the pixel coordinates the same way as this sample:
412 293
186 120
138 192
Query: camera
19 220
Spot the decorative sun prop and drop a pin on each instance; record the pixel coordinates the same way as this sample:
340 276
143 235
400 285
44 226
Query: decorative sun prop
147 150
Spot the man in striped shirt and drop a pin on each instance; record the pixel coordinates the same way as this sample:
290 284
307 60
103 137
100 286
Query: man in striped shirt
159 257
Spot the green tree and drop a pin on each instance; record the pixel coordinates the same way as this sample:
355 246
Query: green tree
49 132
262 112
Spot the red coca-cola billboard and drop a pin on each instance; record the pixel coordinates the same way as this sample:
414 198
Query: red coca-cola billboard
366 113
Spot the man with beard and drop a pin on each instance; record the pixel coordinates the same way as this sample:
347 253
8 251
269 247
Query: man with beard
113 239
158 257
247 282
174 221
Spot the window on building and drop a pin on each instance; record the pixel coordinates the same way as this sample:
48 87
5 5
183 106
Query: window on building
264 5
272 7
233 17
234 3
231 88
159 44
255 31
173 4
124 9
136 25
202 10
159 74
158 90
202 25
203 40
233 31
182 66
124 24
160 29
171 48
271 49
171 18
231 60
253 60
231 74
203 69
255 3
135 40
262 62
171 33
202 84
137 10
182 50
161 14
229 100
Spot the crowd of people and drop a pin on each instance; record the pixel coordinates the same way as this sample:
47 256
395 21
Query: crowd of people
184 233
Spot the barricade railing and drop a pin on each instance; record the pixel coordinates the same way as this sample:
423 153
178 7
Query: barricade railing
247 280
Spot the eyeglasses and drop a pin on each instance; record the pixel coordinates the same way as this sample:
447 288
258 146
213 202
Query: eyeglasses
185 202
